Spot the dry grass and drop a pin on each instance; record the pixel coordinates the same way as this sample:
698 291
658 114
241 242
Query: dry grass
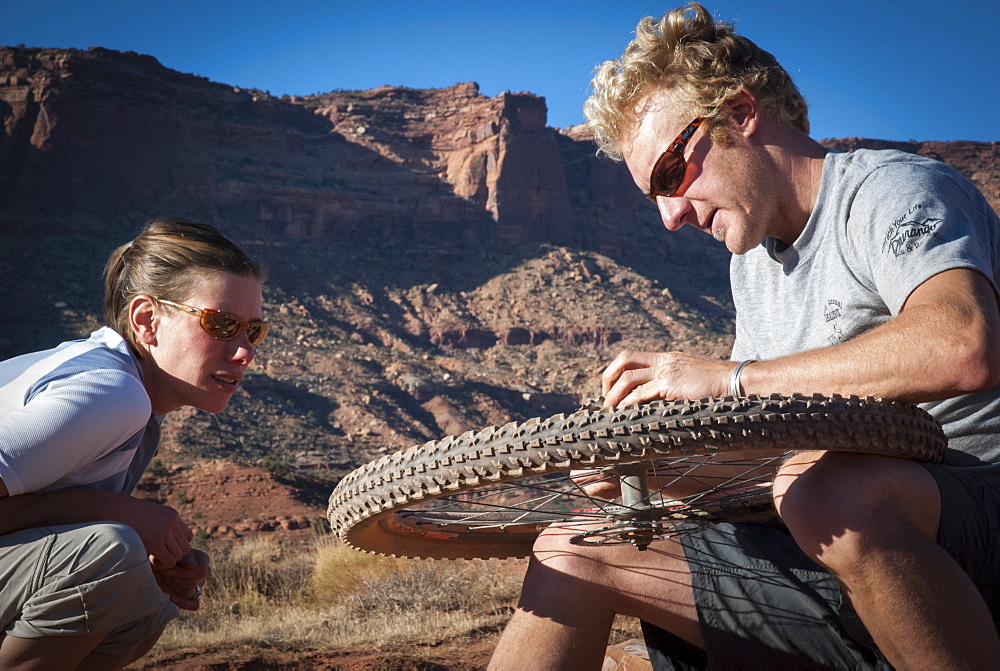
263 593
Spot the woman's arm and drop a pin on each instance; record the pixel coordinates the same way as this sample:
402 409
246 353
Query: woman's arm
163 533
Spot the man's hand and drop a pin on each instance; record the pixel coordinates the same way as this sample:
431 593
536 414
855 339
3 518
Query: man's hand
634 377
183 581
596 483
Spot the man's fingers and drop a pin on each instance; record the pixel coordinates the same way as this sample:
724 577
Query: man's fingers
627 384
626 361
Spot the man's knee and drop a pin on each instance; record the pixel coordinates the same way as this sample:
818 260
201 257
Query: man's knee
560 564
835 501
556 559
806 490
554 550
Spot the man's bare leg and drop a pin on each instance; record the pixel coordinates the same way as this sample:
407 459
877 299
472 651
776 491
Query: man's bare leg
571 595
872 521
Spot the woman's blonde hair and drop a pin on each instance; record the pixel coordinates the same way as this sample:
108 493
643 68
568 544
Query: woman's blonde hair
165 261
702 62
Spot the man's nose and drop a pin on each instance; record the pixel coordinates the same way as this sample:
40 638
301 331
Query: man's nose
673 211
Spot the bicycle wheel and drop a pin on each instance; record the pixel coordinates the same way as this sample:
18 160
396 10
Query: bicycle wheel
490 493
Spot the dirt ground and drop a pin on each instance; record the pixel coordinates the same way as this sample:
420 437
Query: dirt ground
221 501
430 656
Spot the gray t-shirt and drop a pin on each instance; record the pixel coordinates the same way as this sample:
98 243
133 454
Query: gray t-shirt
884 222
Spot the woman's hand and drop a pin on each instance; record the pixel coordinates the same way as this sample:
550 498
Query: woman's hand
183 581
166 537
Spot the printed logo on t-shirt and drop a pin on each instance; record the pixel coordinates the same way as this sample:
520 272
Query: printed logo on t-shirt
831 313
832 309
906 233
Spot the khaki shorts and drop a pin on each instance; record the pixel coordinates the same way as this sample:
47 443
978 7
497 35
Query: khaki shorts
80 579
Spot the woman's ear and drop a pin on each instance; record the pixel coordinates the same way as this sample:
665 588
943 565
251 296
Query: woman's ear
143 319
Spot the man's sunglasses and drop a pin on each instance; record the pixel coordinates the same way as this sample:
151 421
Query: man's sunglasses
668 171
224 325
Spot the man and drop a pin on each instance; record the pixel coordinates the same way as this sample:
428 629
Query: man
870 273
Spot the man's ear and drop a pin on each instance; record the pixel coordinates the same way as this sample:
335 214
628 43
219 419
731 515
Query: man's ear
744 111
143 319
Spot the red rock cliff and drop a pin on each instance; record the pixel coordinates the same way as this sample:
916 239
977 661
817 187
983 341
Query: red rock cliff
88 134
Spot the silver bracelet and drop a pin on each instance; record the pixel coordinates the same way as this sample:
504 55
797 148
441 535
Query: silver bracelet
734 379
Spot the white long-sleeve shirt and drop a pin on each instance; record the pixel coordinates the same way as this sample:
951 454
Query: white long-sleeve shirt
75 417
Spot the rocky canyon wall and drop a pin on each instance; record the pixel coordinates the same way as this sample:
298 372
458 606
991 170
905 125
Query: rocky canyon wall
89 135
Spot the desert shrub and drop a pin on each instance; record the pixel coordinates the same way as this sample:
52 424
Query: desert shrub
256 574
367 583
340 571
437 586
156 468
274 465
319 526
200 540
324 594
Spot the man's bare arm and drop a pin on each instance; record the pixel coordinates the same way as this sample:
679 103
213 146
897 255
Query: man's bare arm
945 342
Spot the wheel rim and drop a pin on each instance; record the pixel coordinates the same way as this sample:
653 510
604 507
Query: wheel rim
501 512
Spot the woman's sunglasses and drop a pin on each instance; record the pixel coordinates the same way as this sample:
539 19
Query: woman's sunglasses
224 325
668 171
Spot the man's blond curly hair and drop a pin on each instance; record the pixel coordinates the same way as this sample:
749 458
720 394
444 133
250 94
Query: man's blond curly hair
703 63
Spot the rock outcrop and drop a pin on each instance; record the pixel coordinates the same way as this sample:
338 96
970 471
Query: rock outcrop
94 142
98 133
495 153
89 136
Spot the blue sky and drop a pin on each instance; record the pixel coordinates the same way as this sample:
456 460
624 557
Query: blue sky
886 69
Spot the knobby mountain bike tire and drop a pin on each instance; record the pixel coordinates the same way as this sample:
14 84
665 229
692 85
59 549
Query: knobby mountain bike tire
490 493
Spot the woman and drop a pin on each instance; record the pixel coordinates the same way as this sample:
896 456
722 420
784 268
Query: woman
90 575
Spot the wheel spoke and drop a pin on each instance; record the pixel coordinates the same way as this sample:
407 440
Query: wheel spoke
487 508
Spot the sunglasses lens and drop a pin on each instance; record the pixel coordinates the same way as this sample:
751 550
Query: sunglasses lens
667 175
221 325
226 326
256 332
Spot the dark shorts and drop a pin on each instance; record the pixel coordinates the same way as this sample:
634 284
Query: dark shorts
764 605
